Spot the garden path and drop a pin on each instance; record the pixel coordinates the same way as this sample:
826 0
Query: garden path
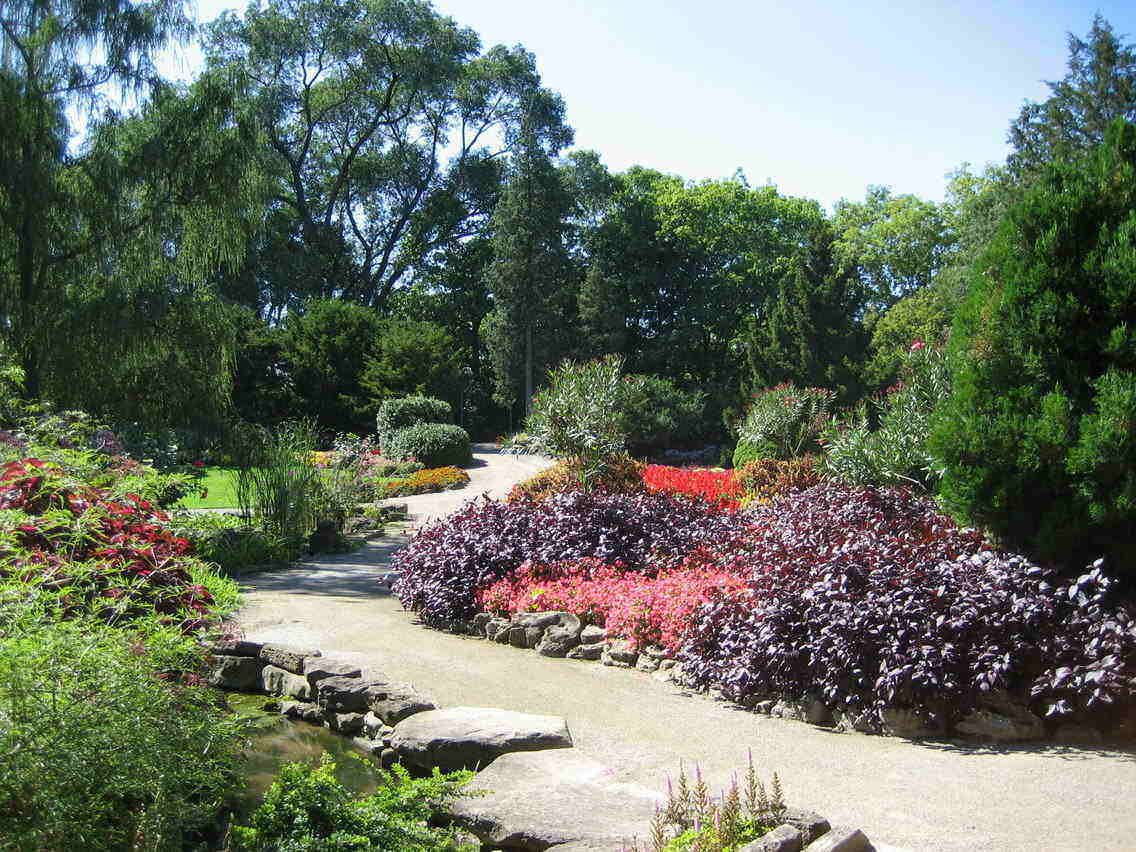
904 795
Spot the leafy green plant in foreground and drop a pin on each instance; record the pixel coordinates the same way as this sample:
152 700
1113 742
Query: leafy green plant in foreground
307 809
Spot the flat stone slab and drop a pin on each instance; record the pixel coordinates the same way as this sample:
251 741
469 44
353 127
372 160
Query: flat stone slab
473 737
537 800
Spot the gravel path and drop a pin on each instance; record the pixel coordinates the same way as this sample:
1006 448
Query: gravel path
905 795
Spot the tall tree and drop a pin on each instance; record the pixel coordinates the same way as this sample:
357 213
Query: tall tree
531 276
383 123
118 226
1098 88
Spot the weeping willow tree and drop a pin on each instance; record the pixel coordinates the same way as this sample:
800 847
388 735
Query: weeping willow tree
112 220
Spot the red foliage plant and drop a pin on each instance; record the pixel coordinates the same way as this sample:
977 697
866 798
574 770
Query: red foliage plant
718 487
645 610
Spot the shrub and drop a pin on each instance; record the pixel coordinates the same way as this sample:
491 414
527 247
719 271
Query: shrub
785 421
99 752
432 444
228 542
717 487
444 564
645 610
896 453
307 808
621 475
870 599
582 414
746 451
426 481
398 414
1037 437
659 413
768 478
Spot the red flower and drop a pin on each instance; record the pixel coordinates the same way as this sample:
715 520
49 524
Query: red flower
917 345
199 464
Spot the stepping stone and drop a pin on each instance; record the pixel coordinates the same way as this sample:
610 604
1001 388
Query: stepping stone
473 737
537 800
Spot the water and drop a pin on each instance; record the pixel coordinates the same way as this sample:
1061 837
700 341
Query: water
277 740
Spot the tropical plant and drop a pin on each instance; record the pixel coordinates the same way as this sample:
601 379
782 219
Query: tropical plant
785 421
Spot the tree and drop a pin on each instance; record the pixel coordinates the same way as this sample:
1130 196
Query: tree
1098 88
327 348
384 124
894 244
531 276
104 240
413 358
1037 435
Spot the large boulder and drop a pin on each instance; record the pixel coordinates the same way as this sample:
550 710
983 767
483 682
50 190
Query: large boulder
537 800
276 681
473 737
318 668
393 702
237 673
286 657
342 695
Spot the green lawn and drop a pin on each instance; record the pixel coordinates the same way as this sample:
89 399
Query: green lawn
220 485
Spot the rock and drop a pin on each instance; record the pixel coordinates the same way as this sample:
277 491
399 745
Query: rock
816 712
1077 735
528 628
238 673
495 628
666 665
318 668
764 707
342 695
287 658
368 745
348 724
393 702
655 652
619 653
592 634
647 664
234 648
542 799
903 722
846 721
587 652
811 825
372 724
480 622
325 538
388 757
988 725
557 642
784 838
300 710
841 840
591 846
519 636
473 737
787 710
276 681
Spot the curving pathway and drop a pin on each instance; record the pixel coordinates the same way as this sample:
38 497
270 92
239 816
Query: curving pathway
904 795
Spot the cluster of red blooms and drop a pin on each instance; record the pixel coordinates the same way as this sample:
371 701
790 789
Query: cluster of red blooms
717 487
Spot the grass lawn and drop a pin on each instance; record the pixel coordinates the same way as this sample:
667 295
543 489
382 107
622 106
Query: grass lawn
220 485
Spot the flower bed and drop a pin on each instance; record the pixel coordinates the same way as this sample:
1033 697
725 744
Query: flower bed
426 482
717 487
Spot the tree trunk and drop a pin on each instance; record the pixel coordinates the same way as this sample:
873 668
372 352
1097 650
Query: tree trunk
528 368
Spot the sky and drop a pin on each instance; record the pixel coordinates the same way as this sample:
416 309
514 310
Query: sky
820 97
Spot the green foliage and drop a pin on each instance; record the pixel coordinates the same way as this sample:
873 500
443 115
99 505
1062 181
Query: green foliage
412 358
327 347
398 414
925 315
896 453
229 542
1037 437
308 810
660 414
582 414
432 444
98 752
784 422
748 451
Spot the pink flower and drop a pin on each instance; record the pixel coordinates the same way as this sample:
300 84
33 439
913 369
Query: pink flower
917 345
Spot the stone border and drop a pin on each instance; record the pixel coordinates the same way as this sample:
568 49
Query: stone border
372 712
999 718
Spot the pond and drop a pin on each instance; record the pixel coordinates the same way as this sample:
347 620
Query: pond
276 740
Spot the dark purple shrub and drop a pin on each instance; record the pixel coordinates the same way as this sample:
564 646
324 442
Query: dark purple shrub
871 599
445 564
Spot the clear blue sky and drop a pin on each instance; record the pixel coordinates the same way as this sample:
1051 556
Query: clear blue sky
823 97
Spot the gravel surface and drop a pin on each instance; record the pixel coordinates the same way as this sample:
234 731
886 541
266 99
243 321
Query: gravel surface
904 795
